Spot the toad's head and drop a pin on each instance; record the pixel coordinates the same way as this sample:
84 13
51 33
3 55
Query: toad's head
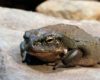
45 44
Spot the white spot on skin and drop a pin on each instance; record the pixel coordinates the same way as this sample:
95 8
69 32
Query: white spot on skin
65 51
42 49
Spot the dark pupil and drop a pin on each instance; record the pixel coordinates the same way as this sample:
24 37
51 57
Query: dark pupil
49 40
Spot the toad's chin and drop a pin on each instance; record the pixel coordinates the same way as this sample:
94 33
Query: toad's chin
48 56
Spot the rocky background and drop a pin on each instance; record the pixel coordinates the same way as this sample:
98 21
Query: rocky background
17 16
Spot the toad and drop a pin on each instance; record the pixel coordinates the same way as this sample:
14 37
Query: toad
61 44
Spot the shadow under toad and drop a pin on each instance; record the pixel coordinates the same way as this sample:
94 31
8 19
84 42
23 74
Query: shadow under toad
35 63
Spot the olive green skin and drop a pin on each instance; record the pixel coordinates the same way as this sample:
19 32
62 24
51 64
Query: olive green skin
80 39
74 39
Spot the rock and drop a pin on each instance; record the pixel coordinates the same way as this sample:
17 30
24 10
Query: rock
13 23
19 20
76 10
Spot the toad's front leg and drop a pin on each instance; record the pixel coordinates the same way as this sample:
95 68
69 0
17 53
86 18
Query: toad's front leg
24 53
72 57
76 57
69 58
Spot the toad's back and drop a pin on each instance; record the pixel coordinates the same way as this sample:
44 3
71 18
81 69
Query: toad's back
81 39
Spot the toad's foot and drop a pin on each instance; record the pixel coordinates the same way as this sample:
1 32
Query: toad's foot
70 59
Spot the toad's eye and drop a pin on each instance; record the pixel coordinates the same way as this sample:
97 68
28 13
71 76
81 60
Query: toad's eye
49 39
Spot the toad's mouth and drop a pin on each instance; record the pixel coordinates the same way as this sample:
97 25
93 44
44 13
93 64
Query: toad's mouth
48 56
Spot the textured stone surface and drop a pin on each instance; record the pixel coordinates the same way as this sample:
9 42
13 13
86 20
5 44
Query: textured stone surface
13 23
23 20
77 10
